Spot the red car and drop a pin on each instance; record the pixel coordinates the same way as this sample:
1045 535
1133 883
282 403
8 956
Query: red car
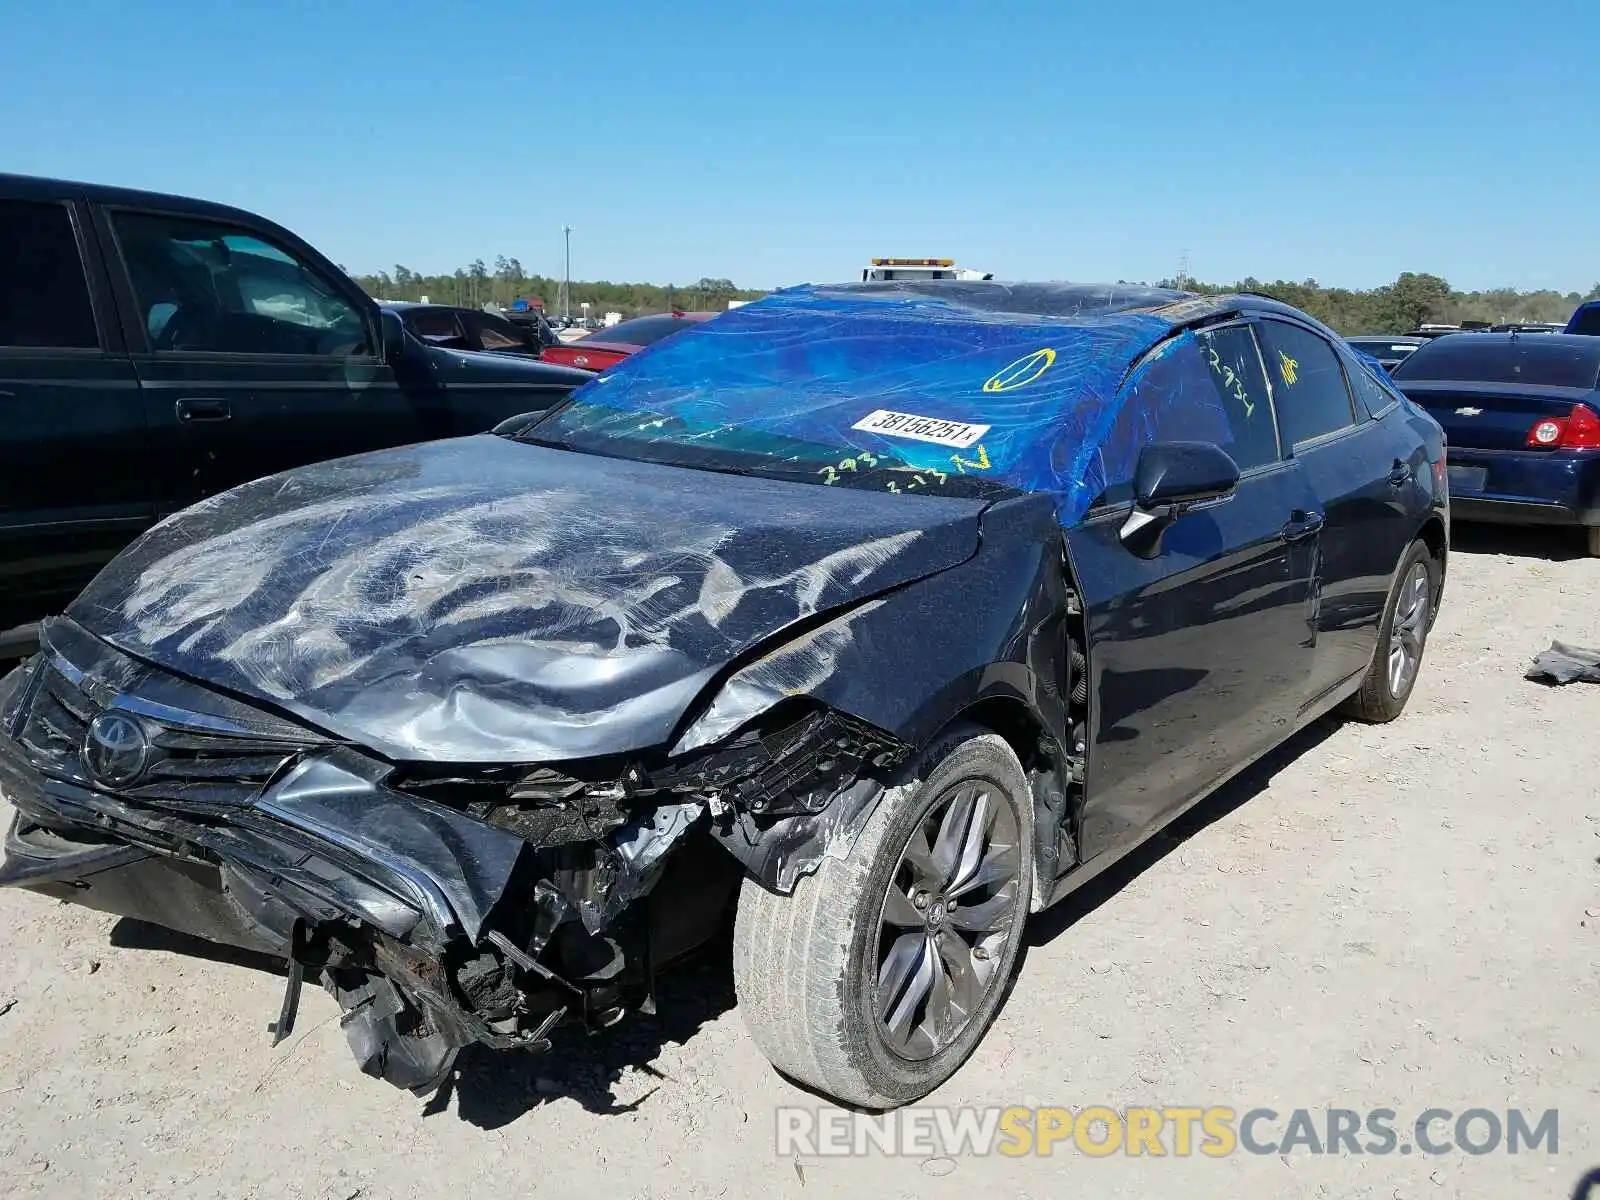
607 347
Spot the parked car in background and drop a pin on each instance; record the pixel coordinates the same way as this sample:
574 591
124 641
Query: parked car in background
593 353
1522 415
1389 350
1585 319
901 610
471 329
155 350
536 320
1528 327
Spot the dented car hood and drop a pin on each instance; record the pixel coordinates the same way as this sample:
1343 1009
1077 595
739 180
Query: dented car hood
483 600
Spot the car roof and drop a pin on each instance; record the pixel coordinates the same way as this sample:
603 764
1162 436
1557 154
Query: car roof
100 193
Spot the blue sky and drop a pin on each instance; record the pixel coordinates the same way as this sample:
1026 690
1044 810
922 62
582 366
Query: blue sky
782 142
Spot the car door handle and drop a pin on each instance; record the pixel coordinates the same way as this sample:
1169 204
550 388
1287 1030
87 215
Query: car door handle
1400 474
1302 525
203 408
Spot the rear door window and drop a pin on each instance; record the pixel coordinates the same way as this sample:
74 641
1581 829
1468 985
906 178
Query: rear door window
44 294
1308 384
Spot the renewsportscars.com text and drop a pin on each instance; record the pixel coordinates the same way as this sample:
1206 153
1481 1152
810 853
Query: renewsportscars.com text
1216 1131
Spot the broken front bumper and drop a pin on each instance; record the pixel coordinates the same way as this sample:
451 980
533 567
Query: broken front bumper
384 925
441 905
325 844
426 923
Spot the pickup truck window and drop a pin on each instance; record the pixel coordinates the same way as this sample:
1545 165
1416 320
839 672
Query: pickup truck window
44 297
206 287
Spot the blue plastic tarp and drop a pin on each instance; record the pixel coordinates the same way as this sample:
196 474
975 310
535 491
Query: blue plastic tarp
1018 384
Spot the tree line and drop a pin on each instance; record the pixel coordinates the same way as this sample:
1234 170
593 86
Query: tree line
1411 300
477 285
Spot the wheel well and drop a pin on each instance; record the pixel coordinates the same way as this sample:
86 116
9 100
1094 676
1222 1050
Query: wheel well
1433 536
1050 779
1012 720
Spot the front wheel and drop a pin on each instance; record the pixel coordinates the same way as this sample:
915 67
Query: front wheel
1402 637
879 975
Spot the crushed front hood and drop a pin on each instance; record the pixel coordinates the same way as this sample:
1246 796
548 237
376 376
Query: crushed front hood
481 600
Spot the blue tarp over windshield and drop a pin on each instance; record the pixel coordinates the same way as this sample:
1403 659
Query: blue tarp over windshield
1018 383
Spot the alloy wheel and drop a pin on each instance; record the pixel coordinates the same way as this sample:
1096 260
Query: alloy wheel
946 919
1408 628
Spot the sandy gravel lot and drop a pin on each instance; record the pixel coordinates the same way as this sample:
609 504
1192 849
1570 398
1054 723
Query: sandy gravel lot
1399 917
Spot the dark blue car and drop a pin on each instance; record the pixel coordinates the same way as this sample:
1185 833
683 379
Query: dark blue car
887 614
1522 415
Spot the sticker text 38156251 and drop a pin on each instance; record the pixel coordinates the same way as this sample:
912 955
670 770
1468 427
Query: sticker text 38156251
957 434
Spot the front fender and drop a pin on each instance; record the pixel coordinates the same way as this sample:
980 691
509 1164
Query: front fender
910 662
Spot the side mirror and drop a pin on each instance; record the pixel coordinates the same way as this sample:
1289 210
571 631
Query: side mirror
1172 477
394 335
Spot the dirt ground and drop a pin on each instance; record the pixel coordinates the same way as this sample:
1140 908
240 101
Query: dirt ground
1397 917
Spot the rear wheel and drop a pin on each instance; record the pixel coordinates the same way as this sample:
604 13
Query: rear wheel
1402 637
879 975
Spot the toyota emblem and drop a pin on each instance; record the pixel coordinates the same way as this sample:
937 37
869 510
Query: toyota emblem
116 749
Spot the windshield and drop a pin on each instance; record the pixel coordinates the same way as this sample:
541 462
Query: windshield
871 386
1540 360
710 444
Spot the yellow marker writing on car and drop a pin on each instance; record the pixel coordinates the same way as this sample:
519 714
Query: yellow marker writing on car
1022 372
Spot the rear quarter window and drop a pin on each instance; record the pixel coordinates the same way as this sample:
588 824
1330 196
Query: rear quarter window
1372 394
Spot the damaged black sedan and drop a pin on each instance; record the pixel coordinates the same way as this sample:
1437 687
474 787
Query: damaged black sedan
884 614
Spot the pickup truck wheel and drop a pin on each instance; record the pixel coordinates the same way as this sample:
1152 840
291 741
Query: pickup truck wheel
1402 638
878 976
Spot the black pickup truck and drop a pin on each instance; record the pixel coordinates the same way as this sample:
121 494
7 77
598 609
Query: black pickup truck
155 350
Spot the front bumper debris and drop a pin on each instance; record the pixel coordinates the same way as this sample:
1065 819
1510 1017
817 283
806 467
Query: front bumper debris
441 908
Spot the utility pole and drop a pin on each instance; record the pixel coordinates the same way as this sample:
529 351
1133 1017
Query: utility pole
566 279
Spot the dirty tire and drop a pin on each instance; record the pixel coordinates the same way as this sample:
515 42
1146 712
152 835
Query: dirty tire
806 965
1378 702
1593 534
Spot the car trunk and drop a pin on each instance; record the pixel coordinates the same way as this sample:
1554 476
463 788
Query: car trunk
1491 416
592 357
